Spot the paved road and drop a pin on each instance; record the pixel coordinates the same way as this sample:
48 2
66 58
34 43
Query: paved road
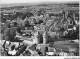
28 42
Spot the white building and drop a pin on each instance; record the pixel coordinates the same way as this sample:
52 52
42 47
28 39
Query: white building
35 39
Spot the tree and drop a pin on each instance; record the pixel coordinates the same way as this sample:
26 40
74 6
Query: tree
15 24
28 14
18 14
13 32
7 25
41 12
7 38
26 23
9 34
19 29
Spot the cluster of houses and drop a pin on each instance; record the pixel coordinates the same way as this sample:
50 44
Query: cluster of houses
36 35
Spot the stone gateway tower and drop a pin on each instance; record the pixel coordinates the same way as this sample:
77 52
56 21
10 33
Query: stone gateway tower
45 37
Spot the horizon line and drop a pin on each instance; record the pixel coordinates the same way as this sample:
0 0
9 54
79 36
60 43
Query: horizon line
55 2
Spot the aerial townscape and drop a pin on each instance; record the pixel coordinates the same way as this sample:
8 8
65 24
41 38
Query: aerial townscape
43 29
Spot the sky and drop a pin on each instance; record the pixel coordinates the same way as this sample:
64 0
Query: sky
31 1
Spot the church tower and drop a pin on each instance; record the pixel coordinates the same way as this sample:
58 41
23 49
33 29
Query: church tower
35 40
45 37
